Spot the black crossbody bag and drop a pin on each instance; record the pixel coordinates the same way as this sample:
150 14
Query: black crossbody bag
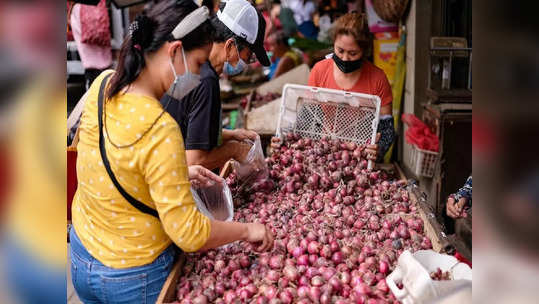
134 202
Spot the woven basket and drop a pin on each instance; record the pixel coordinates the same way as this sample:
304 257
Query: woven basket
390 10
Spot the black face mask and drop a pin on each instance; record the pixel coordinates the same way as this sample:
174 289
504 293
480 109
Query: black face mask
348 66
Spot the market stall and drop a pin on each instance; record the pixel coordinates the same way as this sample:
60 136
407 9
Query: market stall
340 228
430 228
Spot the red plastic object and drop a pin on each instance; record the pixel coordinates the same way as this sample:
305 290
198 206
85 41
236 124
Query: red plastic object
71 179
419 134
95 24
462 259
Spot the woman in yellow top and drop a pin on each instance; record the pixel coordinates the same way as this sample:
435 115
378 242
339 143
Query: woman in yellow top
286 58
120 254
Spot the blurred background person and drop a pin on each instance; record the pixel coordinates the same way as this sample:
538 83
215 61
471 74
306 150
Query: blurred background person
303 15
90 27
284 58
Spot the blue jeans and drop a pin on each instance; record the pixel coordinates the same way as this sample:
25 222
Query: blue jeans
97 283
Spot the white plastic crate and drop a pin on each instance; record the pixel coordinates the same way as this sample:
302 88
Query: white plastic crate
316 112
423 162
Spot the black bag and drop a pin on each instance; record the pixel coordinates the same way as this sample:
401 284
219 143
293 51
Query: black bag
135 203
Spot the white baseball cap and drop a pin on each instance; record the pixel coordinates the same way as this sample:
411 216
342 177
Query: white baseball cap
241 17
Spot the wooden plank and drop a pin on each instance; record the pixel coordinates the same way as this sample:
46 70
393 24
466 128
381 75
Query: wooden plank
168 292
391 167
433 230
227 169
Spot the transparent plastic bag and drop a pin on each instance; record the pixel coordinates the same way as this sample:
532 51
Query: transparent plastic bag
214 201
254 167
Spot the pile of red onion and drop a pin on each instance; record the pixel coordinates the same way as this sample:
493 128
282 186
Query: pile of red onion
338 229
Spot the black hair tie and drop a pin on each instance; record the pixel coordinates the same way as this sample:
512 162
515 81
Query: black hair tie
141 32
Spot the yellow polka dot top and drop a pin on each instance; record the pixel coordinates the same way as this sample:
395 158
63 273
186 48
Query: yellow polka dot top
154 171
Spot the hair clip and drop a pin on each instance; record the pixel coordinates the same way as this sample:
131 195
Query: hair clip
138 47
133 28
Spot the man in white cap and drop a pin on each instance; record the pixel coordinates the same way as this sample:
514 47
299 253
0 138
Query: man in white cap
238 40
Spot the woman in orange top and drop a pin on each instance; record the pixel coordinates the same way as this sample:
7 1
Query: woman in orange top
346 69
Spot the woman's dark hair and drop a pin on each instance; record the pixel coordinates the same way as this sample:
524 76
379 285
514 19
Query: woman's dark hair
223 33
355 25
148 33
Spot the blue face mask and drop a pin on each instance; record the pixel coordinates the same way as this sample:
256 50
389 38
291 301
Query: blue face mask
231 70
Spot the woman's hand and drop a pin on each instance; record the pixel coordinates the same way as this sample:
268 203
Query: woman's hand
202 177
372 150
453 208
258 233
242 134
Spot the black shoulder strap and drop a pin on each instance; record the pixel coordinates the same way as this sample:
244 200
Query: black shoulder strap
135 203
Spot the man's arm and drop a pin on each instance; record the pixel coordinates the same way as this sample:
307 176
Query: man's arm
238 134
217 157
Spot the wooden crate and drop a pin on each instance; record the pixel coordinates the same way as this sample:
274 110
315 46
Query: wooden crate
168 292
432 229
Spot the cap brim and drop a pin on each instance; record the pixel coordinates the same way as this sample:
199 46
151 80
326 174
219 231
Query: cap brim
260 53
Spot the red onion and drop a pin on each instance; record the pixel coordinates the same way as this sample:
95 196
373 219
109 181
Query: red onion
334 246
244 261
261 300
311 272
285 296
327 272
303 281
383 267
303 260
362 289
317 281
369 278
345 277
245 281
325 251
303 292
200 299
313 259
335 283
272 276
291 272
346 251
283 282
230 297
269 291
337 257
304 243
315 293
276 262
313 247
325 298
